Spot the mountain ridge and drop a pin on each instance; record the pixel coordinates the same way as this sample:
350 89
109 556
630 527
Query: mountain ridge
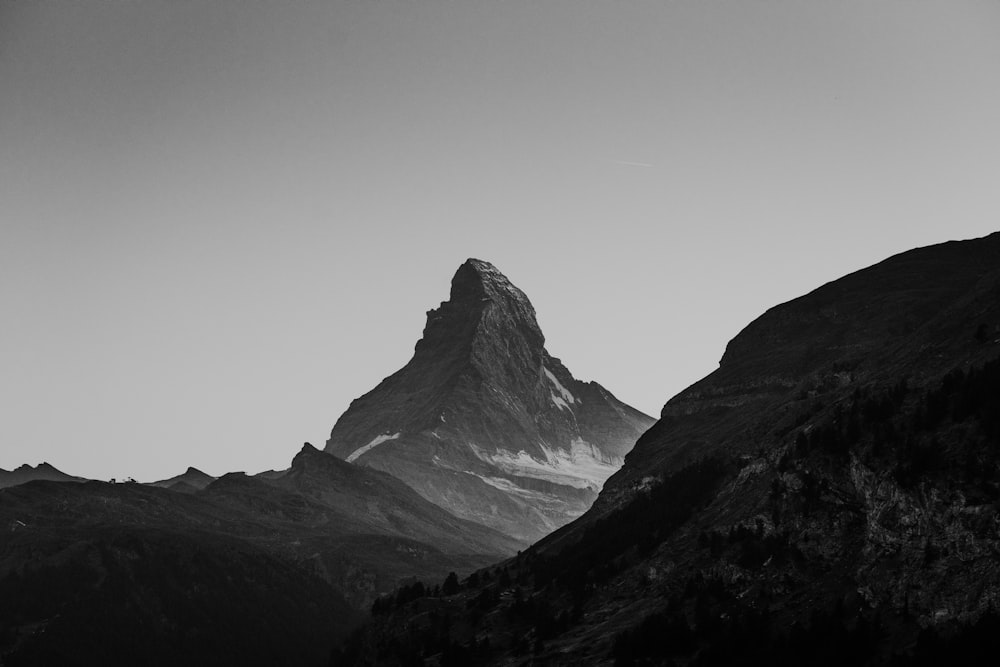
26 473
930 300
190 480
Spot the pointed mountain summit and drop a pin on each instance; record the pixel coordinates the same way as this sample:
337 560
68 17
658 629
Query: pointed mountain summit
484 422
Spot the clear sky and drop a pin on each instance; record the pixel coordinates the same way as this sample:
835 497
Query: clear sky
222 221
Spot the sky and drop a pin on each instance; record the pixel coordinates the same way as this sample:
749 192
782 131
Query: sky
221 222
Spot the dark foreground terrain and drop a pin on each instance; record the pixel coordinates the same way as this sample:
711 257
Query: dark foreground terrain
249 570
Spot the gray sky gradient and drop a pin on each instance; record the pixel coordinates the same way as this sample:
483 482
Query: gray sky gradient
222 221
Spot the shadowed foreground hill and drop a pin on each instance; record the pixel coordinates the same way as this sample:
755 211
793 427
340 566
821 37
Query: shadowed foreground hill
96 573
829 496
247 571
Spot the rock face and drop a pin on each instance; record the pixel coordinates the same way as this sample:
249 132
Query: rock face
484 422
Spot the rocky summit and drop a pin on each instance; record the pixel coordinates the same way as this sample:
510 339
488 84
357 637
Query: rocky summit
484 422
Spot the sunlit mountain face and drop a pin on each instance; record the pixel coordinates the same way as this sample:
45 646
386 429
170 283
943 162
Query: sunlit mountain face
484 422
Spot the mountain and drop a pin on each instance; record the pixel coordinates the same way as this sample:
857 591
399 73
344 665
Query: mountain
26 473
484 422
189 481
829 495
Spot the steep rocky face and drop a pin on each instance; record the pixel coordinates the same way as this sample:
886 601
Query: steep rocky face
484 422
830 495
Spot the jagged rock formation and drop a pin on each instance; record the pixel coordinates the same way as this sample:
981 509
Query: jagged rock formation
26 473
484 422
830 495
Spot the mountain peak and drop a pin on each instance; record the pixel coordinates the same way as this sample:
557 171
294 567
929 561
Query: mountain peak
484 421
308 449
189 481
480 279
484 309
306 453
310 458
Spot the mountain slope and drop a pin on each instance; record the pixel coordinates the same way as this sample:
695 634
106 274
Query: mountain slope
383 504
915 315
484 422
362 530
830 495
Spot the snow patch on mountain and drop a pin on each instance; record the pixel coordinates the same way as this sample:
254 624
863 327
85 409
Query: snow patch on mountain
581 466
503 484
376 441
559 402
563 391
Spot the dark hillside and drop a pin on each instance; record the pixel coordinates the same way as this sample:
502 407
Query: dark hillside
248 570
